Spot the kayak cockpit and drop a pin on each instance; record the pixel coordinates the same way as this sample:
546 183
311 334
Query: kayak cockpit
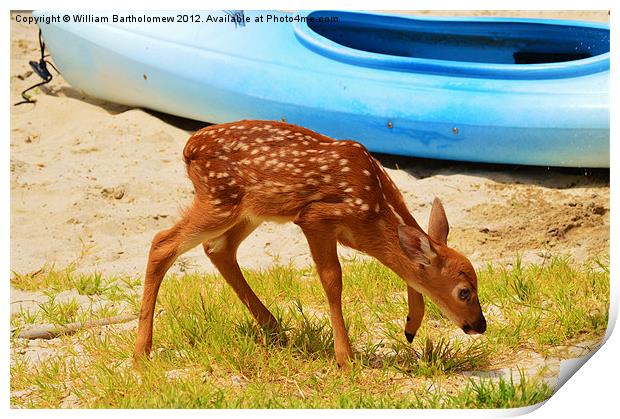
468 46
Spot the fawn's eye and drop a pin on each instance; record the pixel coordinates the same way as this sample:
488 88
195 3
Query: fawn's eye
464 293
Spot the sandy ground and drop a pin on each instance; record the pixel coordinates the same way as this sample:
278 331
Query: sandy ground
92 182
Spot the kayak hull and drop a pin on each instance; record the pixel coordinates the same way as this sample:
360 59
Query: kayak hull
223 72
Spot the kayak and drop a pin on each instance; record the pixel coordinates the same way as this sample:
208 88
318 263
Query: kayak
496 90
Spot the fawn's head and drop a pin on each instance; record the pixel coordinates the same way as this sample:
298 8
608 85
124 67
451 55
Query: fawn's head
443 274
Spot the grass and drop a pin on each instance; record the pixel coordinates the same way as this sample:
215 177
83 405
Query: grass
503 393
116 293
52 279
208 351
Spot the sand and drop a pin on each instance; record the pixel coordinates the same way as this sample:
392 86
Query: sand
92 182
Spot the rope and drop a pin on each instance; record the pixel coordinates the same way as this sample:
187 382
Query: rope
39 67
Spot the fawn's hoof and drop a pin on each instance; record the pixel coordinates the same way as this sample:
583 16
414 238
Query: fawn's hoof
274 334
140 356
409 336
344 366
138 362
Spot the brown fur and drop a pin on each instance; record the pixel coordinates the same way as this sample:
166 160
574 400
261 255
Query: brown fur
247 172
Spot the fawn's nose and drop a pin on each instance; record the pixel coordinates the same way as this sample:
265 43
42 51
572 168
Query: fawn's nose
479 327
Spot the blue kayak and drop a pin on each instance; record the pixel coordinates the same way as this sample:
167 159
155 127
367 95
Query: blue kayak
498 90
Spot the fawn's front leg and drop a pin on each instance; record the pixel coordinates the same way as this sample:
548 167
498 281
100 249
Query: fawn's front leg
415 301
325 257
323 247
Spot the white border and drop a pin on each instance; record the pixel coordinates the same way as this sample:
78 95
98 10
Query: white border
592 392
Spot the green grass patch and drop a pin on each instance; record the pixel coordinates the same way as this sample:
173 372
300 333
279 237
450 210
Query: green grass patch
51 279
106 297
546 305
209 352
504 393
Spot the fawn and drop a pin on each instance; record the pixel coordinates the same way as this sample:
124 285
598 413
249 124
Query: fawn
248 172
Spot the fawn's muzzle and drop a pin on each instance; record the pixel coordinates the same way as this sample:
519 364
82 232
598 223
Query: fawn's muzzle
479 327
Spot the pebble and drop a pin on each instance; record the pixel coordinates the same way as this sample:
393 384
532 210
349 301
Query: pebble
116 193
25 392
177 374
24 75
69 402
597 209
35 343
237 381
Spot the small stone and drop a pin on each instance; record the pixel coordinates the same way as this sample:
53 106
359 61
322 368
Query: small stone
597 209
25 75
116 193
177 374
69 402
35 342
182 353
237 381
25 392
38 356
126 364
544 254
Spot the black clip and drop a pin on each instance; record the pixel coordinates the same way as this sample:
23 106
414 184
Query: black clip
40 67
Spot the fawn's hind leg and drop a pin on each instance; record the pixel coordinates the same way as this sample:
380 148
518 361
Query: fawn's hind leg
223 253
193 229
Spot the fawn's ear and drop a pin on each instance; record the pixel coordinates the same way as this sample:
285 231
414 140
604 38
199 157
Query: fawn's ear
416 245
438 227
